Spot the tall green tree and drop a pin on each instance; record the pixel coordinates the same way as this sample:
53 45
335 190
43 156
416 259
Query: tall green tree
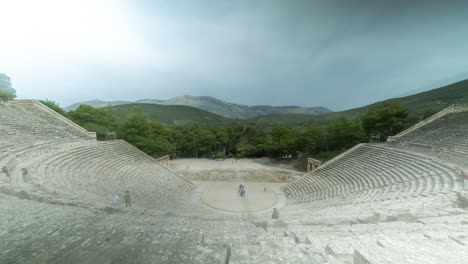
311 140
387 118
253 143
54 106
283 142
344 133
137 130
98 120
85 114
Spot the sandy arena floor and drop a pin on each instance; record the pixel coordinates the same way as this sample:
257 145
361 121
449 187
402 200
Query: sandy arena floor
224 195
208 164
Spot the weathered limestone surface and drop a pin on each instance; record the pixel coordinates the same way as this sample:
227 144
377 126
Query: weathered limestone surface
386 203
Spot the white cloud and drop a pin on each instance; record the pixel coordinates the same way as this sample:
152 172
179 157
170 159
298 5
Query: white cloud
53 32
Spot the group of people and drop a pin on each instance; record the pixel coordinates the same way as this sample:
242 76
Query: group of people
127 200
241 190
25 173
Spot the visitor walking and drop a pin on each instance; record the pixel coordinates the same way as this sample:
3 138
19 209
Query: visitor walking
25 175
5 170
275 214
243 191
464 175
116 199
128 202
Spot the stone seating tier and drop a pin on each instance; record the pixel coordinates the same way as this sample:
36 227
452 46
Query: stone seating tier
26 125
371 173
449 132
101 170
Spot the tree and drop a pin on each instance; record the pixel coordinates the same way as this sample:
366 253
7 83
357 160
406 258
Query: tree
247 151
6 91
137 130
311 140
188 142
84 114
98 120
387 118
344 133
54 106
253 142
234 134
283 141
164 139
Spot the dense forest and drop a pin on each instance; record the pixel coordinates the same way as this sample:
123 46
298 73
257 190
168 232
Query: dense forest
235 140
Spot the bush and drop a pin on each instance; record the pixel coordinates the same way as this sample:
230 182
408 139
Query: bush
247 151
219 155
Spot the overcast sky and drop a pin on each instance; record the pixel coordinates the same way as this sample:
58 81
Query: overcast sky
333 53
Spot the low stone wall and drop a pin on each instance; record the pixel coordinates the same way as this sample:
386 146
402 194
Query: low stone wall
246 175
165 161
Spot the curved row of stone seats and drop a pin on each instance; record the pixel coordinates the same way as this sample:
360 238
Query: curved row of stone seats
449 132
16 159
444 136
32 134
98 171
449 156
372 173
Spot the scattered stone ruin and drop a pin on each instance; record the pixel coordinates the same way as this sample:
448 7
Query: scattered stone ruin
165 161
313 164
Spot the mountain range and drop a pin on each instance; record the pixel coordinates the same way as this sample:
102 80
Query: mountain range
215 106
174 112
420 106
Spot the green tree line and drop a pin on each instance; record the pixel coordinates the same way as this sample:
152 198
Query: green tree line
247 140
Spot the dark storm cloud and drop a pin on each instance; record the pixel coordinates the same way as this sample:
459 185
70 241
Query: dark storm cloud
334 53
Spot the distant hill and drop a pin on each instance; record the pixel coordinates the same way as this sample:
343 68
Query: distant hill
96 103
232 110
216 106
420 106
175 114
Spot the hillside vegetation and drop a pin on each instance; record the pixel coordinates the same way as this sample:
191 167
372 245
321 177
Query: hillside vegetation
189 109
191 132
196 139
420 106
174 114
213 105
